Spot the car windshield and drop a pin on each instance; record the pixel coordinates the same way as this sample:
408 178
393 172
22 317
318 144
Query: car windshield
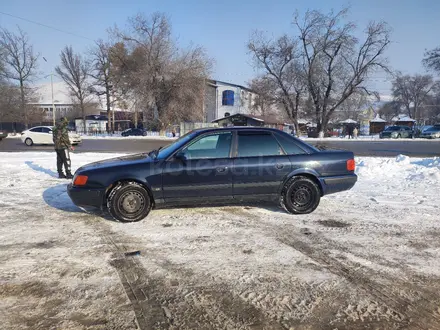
392 128
166 151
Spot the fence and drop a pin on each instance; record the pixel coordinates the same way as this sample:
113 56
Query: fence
186 127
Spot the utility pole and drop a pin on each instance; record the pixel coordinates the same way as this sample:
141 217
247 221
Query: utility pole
53 101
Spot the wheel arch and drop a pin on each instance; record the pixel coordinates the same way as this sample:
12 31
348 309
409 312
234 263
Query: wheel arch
119 181
308 173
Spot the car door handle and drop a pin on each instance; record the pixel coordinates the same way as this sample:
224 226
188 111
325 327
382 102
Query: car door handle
279 166
221 169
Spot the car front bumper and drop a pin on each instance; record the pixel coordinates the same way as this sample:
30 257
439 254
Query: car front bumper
85 196
334 184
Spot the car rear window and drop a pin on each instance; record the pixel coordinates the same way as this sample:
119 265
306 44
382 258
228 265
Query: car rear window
257 144
289 145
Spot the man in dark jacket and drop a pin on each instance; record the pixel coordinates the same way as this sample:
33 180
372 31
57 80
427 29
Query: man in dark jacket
62 146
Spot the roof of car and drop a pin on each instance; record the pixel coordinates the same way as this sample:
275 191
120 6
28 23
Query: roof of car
235 128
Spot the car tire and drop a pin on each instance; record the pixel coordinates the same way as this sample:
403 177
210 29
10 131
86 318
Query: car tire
121 199
28 142
300 195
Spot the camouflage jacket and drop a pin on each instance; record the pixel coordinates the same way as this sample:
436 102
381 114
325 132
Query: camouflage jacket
61 136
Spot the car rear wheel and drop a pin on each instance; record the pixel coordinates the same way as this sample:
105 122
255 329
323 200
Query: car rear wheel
29 142
129 202
300 195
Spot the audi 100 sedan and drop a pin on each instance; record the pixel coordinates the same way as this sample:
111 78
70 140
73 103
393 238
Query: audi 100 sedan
215 166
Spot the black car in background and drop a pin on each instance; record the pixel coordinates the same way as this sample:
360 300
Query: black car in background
397 132
216 166
133 132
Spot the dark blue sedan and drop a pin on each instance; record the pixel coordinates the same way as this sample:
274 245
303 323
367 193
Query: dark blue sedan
216 166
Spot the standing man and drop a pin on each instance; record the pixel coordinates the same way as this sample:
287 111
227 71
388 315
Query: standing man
62 146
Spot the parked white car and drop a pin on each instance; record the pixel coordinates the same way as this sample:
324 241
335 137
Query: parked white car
43 135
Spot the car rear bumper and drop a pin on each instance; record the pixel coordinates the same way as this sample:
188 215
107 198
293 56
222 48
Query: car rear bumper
334 184
86 197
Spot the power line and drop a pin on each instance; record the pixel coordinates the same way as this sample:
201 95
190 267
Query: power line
46 26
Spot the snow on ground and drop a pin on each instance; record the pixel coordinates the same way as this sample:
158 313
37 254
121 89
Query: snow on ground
366 258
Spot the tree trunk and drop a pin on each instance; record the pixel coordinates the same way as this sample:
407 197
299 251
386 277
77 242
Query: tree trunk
83 113
107 95
23 104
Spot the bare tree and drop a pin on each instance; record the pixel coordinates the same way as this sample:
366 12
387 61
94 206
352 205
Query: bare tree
412 92
265 95
389 110
75 71
432 60
335 64
353 107
102 76
19 63
169 82
280 61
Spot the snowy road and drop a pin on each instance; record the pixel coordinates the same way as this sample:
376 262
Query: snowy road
367 258
360 147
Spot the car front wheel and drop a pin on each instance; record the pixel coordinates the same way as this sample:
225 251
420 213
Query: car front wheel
129 202
301 195
29 142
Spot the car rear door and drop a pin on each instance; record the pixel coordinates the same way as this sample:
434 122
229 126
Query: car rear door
46 135
36 134
260 165
202 172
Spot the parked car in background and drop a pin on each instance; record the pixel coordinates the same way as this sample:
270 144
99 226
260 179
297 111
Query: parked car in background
432 132
397 132
3 134
133 132
43 135
216 165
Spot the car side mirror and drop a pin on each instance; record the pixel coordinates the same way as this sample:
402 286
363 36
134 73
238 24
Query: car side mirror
180 156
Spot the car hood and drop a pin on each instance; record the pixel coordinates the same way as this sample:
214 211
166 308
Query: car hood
118 161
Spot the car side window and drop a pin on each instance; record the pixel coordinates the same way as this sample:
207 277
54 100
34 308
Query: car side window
46 130
36 130
289 145
210 146
257 144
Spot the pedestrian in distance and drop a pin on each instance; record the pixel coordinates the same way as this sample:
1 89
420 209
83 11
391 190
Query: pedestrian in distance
355 133
62 147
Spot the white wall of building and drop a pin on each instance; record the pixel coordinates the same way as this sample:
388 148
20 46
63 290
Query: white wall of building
243 100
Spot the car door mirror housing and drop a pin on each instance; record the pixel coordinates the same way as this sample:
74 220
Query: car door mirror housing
180 156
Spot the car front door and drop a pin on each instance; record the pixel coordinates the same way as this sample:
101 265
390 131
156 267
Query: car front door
260 165
200 171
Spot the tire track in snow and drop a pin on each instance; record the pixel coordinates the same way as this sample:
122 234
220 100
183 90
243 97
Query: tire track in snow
410 314
191 304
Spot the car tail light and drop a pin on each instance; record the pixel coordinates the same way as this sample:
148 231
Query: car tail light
80 180
351 165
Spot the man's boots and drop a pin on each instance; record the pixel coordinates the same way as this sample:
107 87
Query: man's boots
69 176
61 175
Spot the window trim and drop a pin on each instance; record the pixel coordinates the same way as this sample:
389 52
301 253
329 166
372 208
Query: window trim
201 136
224 104
305 152
256 132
